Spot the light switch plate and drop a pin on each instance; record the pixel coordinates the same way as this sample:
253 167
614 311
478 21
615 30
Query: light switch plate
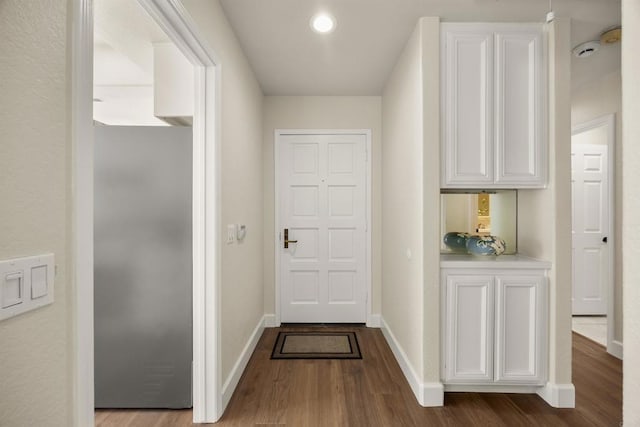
39 285
12 289
231 233
26 284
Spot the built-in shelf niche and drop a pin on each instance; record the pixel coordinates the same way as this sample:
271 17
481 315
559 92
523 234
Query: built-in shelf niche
481 212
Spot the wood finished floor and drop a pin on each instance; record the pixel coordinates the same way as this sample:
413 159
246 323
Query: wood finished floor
373 392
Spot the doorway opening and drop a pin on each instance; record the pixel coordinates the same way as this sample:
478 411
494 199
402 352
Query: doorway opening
593 234
143 96
175 22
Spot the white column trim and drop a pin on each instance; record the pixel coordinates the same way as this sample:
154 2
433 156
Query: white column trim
81 234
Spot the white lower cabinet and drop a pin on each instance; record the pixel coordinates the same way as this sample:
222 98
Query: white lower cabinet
494 327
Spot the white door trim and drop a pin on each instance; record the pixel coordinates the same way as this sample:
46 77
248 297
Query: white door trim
175 21
81 235
368 193
608 121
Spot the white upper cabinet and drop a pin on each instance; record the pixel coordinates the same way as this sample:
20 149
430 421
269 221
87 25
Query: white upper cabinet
493 97
467 107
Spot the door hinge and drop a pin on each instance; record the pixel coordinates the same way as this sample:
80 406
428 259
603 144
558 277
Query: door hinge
366 155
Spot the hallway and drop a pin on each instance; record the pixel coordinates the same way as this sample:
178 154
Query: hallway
592 327
373 392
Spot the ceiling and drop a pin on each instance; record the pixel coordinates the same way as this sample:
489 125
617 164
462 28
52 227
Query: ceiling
357 58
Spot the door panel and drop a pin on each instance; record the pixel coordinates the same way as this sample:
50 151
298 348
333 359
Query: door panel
469 331
305 287
468 107
519 109
590 226
520 327
322 186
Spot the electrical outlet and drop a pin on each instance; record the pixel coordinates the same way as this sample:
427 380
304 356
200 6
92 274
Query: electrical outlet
231 233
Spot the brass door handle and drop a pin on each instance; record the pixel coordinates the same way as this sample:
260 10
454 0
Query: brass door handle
286 239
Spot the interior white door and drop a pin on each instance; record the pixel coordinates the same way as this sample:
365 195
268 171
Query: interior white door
321 183
590 201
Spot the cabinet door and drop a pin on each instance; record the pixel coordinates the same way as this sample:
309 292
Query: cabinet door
519 101
520 329
469 329
467 101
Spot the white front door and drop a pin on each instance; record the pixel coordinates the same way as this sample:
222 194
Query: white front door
590 212
322 190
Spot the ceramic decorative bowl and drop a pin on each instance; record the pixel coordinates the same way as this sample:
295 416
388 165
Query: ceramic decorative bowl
456 241
485 245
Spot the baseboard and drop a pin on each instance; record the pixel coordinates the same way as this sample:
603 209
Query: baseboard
373 321
559 395
427 394
491 388
238 368
270 321
615 349
432 394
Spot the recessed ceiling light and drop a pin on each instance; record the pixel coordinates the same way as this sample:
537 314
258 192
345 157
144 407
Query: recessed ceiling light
323 23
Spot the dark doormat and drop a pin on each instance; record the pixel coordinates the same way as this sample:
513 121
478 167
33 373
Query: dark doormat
316 345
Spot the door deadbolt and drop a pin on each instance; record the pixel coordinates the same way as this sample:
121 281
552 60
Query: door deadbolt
286 239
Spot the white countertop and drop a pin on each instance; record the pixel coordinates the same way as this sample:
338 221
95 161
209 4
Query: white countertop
491 261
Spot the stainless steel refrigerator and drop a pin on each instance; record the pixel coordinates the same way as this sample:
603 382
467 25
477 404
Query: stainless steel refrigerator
143 267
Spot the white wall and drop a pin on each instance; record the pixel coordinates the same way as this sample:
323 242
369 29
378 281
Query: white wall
430 41
458 213
35 349
544 223
590 102
504 218
402 225
242 306
321 112
411 202
631 211
172 84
